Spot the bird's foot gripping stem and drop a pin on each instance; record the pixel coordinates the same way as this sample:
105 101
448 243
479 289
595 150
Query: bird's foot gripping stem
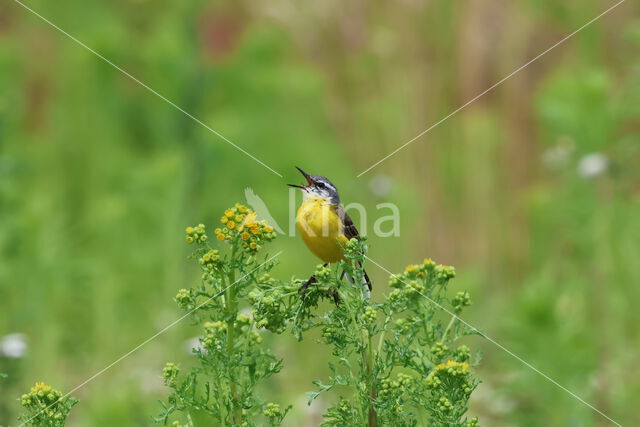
302 290
331 292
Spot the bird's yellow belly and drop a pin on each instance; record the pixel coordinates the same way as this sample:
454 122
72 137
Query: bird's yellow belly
321 230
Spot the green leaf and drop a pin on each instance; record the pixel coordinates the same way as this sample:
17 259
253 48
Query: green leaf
313 395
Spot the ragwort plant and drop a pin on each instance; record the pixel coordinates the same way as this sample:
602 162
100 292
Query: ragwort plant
395 362
46 406
396 356
231 359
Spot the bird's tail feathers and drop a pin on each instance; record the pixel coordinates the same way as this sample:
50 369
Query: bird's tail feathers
367 288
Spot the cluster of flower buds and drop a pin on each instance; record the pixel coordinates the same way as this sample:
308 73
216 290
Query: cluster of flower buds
269 312
369 316
196 234
215 336
46 405
354 250
322 274
416 281
425 272
463 353
272 410
444 405
333 335
239 223
40 393
184 298
439 350
450 376
397 386
209 259
461 300
170 374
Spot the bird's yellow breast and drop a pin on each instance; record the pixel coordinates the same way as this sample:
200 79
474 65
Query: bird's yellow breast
321 229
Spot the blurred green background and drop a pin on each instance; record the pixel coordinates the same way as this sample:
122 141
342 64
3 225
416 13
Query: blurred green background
532 192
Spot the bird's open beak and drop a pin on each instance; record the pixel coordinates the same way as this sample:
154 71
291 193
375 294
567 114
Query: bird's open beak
306 175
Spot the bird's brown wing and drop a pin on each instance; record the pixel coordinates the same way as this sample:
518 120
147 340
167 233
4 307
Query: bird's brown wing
350 231
349 228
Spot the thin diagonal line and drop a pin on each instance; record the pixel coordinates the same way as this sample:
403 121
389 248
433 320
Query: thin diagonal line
130 352
506 350
462 107
168 101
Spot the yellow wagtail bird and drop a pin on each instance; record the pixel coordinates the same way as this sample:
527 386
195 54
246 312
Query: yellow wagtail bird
323 223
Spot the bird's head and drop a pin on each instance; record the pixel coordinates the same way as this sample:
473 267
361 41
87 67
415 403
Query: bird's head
318 186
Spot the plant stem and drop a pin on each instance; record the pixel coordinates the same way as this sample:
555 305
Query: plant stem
444 335
384 328
231 307
366 355
373 416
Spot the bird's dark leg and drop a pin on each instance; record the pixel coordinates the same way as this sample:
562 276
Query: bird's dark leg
367 281
303 288
333 292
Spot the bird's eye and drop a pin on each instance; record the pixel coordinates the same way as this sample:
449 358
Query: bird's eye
320 184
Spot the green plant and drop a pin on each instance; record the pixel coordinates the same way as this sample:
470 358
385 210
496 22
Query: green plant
231 359
46 406
396 362
397 358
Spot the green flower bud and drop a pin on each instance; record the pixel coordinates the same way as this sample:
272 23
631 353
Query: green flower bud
352 249
461 300
439 350
170 373
463 353
272 410
243 319
183 298
215 327
322 273
369 315
444 272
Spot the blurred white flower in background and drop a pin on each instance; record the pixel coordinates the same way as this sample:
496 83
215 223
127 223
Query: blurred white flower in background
380 185
556 157
193 344
593 165
13 346
559 155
